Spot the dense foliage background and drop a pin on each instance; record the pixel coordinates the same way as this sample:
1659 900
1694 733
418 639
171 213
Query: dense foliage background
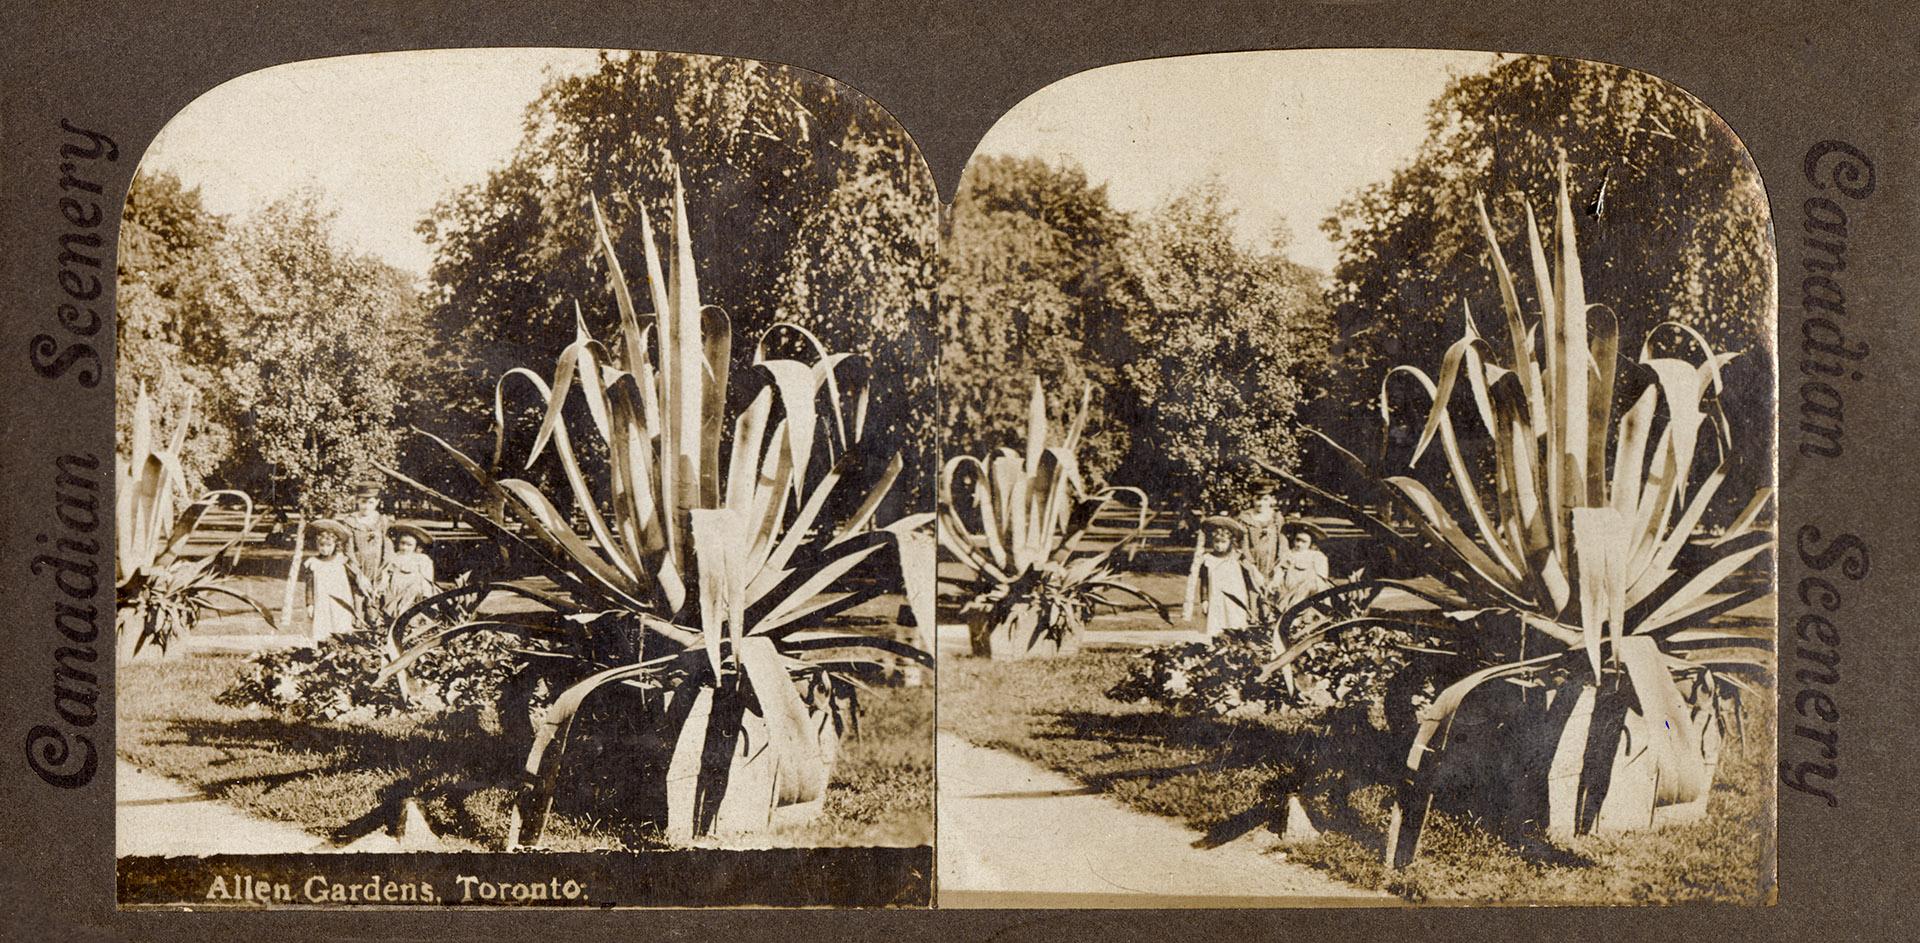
307 360
1205 351
806 202
302 359
1673 227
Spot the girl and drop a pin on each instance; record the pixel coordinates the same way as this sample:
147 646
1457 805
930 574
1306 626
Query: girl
331 582
1302 570
408 575
1230 582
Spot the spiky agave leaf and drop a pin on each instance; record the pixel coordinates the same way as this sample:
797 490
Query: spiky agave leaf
159 593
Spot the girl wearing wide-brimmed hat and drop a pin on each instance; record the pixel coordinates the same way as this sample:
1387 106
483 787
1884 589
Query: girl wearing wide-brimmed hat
408 576
333 585
1219 566
1302 570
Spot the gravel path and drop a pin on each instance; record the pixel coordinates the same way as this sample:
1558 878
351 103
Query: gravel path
1014 834
154 815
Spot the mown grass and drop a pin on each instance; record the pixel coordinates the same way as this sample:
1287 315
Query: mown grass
341 780
1226 777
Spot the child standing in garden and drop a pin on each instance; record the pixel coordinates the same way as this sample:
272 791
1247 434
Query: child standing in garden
408 576
331 581
1229 581
1302 570
367 541
1266 533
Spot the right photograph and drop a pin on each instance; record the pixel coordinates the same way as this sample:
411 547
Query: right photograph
1357 490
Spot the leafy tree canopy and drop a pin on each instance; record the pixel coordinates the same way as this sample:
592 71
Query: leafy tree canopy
1226 341
806 202
1200 349
323 347
1029 250
167 263
1675 224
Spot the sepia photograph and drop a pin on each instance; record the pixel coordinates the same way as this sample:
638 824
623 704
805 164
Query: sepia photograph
910 471
523 450
1356 489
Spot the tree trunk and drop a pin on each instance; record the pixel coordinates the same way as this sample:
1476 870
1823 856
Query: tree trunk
293 575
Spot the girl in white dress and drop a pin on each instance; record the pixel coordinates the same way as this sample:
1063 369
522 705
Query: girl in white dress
331 584
408 576
1230 583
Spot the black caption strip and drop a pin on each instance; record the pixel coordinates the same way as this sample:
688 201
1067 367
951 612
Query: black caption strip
787 877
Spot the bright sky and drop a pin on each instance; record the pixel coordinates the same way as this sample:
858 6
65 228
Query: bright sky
1289 133
386 136
383 136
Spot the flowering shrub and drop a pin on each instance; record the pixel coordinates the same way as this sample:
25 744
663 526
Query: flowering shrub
1370 671
336 678
1214 676
330 680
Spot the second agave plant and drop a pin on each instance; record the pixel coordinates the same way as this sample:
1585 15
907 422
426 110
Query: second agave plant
1564 554
1018 522
696 604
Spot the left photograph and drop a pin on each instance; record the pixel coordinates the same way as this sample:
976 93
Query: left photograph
526 450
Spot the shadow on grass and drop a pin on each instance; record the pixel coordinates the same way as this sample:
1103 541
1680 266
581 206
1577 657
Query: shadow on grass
1229 744
1342 771
345 779
1228 777
354 779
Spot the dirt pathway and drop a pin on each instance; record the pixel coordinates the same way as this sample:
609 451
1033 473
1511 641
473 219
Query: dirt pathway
154 815
1014 834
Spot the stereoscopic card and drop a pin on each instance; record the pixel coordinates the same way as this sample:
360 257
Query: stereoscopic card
992 472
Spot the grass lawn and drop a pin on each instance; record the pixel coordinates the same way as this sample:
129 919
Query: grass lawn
336 779
1223 776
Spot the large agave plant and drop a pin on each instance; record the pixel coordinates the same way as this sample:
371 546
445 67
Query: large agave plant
1574 534
1017 522
160 594
710 561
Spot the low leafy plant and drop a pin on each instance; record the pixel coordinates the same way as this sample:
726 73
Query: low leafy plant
698 601
1555 568
1220 675
159 593
344 675
1374 672
333 679
1017 521
1370 670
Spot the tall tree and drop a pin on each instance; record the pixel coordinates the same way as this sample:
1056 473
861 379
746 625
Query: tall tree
777 165
1225 341
1030 250
323 346
165 335
861 274
1675 223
